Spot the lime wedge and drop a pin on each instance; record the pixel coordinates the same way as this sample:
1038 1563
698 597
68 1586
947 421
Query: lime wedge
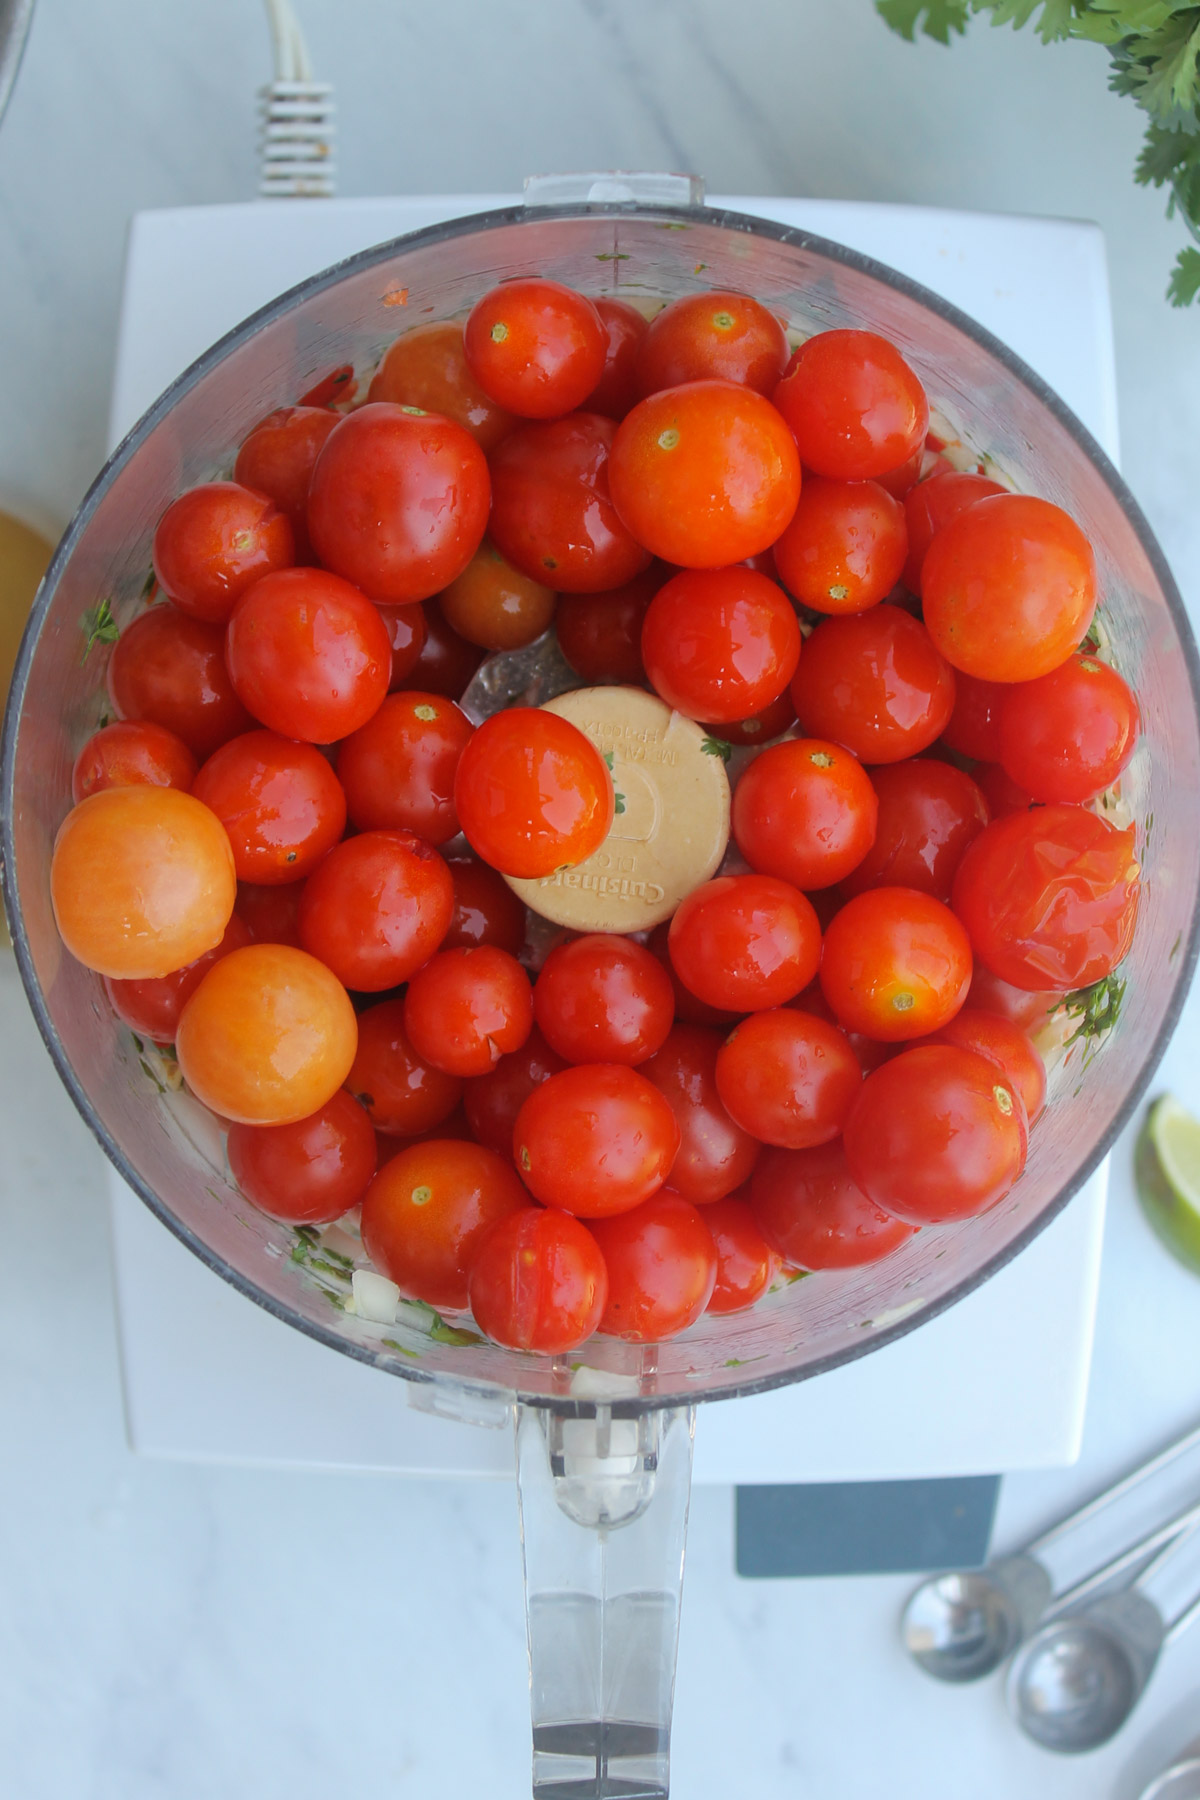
1166 1166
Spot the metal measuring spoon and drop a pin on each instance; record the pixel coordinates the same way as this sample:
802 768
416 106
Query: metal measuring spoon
1180 1782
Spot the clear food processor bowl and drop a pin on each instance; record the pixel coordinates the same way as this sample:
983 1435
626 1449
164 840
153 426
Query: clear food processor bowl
603 1436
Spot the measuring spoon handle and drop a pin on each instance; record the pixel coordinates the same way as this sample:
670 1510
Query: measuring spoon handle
1117 1491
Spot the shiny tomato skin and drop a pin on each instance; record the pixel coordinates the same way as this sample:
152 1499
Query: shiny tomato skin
465 1009
1068 735
715 1155
1000 790
705 475
788 1077
280 802
492 1101
720 644
278 455
973 728
712 336
539 1282
1050 897
447 662
407 630
398 769
845 546
761 727
427 368
745 941
308 655
308 1173
152 1007
895 964
689 1008
213 542
936 1134
1009 588
997 1039
494 605
270 914
427 1212
532 793
130 752
869 1051
536 347
746 1263
900 481
486 911
855 406
929 812
625 327
601 998
553 514
662 1268
601 634
402 1094
809 1208
876 683
398 502
376 908
930 505
805 811
1027 1007
170 668
594 1140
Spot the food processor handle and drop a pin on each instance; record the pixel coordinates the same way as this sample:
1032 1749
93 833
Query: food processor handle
604 1508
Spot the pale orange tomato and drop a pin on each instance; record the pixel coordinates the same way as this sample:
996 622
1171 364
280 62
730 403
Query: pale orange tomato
142 881
268 1037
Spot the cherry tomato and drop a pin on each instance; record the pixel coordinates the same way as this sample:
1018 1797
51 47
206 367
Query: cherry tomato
268 1037
465 1009
308 655
603 999
447 662
131 753
308 1173
398 501
152 1007
376 909
1068 735
596 1139
761 727
845 546
937 1133
715 1155
788 1077
492 1101
874 682
997 1039
539 1282
532 793
746 1263
1027 1007
401 1093
899 482
280 802
215 541
625 327
973 728
869 1051
171 669
278 456
805 811
854 404
141 881
398 768
271 914
537 347
720 643
552 513
495 605
929 812
688 1006
1009 588
745 941
662 1268
930 505
1050 897
601 634
713 336
429 1209
809 1208
486 911
1001 792
427 368
337 388
705 475
895 964
407 631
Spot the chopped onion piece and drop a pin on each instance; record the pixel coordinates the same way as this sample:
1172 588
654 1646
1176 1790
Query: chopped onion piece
375 1297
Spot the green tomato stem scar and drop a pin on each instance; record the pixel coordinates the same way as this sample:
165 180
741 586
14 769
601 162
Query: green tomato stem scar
724 321
418 412
668 439
838 592
421 1196
499 332
1089 666
820 759
903 1002
425 712
1003 1100
523 1158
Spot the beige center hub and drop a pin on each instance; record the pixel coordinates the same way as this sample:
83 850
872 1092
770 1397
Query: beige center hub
672 831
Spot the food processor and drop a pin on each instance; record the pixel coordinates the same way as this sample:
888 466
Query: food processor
604 1436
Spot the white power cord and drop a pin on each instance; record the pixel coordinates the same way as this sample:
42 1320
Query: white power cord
297 117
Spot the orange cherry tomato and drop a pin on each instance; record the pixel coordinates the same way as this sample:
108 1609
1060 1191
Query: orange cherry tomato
428 1210
427 368
895 964
495 605
532 793
152 1007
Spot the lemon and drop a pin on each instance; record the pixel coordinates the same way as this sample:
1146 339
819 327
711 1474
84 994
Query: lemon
1166 1166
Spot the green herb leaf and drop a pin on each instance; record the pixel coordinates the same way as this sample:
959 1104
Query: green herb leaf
1184 285
441 1333
618 801
99 627
1097 1009
402 1349
715 746
936 18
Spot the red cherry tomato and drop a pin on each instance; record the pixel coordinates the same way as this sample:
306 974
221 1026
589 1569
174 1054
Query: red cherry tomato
662 1268
713 336
805 811
720 644
215 541
427 368
595 1139
398 501
171 669
705 475
1050 897
689 1008
447 662
1068 735
715 1155
270 914
495 605
486 911
398 768
1001 792
929 812
997 1039
407 630
845 546
601 634
552 513
603 999
538 348
900 481
1026 1007
278 456
308 1173
280 802
625 327
895 964
532 793
376 909
937 1133
874 682
401 1093
854 404
930 505
973 728
539 1282
761 727
308 655
152 1006
1009 588
869 1051
809 1208
746 1263
465 1009
492 1101
335 389
130 752
745 941
788 1077
427 1212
